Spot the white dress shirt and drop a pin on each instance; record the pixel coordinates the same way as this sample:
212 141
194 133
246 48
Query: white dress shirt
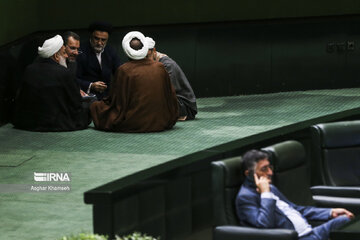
98 56
302 227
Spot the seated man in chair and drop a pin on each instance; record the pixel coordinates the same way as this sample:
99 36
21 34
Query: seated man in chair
260 204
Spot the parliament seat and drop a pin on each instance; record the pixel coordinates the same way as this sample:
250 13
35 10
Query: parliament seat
227 177
292 177
336 149
291 171
336 166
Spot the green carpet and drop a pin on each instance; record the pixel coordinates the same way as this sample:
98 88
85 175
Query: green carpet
94 158
13 160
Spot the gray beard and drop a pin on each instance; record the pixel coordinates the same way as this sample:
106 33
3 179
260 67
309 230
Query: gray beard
62 61
98 49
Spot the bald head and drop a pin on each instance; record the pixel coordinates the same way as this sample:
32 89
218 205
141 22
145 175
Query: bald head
136 44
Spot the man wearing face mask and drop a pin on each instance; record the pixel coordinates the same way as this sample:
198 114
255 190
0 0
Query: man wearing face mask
49 97
98 61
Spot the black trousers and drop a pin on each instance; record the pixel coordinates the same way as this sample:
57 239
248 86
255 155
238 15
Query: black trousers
185 110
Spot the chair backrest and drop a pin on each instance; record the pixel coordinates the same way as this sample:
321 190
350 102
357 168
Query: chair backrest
336 152
227 177
291 171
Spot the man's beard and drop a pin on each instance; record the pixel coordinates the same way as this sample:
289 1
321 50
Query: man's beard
71 59
97 49
62 61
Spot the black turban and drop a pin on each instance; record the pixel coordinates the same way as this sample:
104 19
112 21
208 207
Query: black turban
101 26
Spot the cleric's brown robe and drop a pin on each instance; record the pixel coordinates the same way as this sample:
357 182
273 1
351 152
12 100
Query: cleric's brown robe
141 99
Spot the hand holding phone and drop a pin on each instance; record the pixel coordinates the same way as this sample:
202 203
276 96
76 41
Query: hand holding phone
262 183
250 175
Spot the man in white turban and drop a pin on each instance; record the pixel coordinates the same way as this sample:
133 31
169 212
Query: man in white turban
49 97
141 97
184 92
139 49
54 48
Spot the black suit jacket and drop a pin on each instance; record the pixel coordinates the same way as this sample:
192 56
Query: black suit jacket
89 69
49 99
254 211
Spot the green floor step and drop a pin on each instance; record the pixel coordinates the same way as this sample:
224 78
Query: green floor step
94 158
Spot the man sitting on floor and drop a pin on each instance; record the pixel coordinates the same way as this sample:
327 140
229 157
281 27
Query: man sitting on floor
260 204
185 94
98 61
72 49
49 97
72 45
141 97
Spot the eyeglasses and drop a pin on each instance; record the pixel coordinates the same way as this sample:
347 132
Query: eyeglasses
75 49
266 168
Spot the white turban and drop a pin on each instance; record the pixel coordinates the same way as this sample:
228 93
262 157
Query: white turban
150 42
51 46
132 53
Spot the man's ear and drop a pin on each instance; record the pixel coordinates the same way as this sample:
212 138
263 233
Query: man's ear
56 57
53 57
246 172
148 53
156 55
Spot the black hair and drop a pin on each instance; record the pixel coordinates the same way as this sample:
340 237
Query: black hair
250 158
68 34
100 26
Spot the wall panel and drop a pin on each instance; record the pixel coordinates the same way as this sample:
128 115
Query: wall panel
21 17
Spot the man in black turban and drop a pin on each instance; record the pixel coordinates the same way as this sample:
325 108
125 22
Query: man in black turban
98 61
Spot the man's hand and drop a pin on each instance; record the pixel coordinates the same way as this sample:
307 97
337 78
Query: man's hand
98 86
159 55
336 212
183 118
262 183
82 93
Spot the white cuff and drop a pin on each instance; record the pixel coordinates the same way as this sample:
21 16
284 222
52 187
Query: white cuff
267 195
89 88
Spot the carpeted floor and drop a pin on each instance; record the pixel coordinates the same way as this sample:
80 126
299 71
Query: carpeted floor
93 158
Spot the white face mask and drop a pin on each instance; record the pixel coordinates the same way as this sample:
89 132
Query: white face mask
62 61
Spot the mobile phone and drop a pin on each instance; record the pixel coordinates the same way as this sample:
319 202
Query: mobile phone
250 176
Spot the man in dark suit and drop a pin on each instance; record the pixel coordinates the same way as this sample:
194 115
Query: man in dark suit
72 45
98 61
260 204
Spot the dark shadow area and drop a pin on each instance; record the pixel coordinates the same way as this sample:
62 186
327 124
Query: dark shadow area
230 58
7 85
